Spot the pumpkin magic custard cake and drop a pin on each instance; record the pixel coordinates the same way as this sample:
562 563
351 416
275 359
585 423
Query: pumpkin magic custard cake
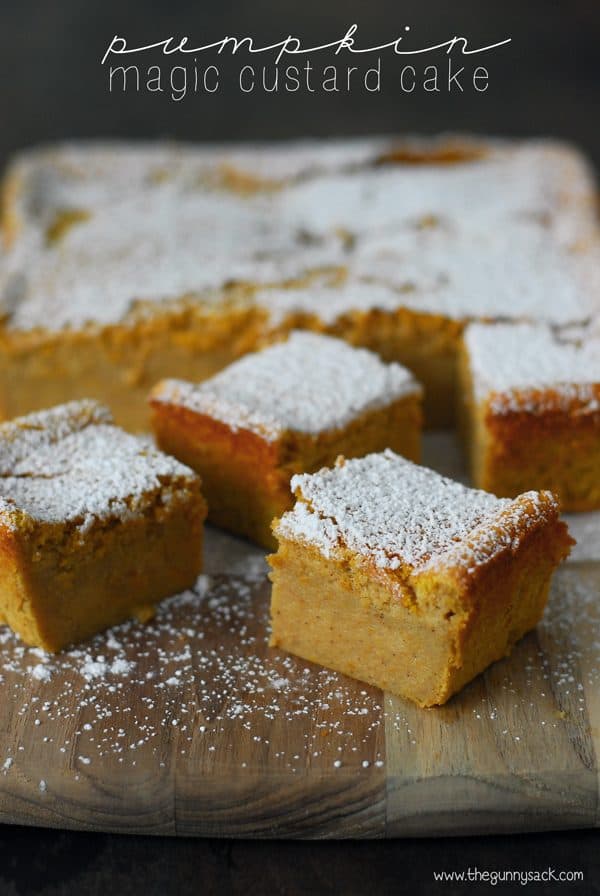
531 411
129 263
194 267
291 408
393 574
96 525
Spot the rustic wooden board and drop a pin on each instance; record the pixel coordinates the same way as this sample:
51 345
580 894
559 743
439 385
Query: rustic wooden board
194 726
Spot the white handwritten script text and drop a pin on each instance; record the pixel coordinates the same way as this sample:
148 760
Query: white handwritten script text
292 66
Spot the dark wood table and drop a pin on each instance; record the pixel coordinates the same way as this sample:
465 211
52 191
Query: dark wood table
58 863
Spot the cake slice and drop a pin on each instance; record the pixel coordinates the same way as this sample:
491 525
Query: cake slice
96 525
290 408
531 411
393 574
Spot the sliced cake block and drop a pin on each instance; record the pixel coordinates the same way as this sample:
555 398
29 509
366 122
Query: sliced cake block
132 262
531 411
393 574
290 408
96 525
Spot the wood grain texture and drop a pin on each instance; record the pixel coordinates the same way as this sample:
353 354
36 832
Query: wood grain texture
516 750
192 725
271 776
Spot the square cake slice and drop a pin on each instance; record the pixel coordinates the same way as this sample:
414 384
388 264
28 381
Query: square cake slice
531 411
291 408
395 575
96 525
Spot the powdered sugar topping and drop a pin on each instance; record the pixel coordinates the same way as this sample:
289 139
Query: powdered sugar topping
527 367
310 384
455 234
70 464
394 512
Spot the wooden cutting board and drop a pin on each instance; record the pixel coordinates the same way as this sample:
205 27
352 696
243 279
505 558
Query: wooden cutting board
192 725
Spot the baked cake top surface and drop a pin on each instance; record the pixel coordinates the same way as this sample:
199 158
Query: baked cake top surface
71 464
527 180
449 237
155 246
524 367
310 384
519 274
93 173
400 515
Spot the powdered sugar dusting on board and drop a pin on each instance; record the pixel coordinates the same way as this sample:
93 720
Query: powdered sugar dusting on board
530 368
71 464
232 703
400 514
309 384
200 668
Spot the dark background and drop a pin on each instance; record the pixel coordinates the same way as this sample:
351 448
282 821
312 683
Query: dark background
52 86
56 863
